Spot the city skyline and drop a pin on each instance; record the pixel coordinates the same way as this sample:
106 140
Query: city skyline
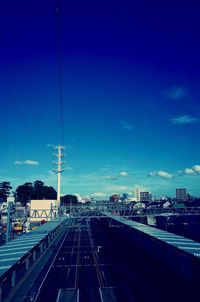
130 112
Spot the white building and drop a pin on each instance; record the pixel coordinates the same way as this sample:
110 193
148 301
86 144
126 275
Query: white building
43 210
145 196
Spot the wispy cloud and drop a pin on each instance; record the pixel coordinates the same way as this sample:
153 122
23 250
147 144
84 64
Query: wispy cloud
98 194
126 125
189 171
176 92
50 172
185 119
123 174
162 174
27 162
69 168
111 177
50 146
195 170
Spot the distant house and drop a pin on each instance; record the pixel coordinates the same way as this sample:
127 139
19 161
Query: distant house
145 196
115 198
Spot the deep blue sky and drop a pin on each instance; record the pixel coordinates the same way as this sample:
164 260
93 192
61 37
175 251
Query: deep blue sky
131 94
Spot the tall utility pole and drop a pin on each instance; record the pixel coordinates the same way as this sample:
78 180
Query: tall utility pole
59 169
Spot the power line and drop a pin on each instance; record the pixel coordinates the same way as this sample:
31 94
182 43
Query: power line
60 69
18 111
20 114
17 107
26 123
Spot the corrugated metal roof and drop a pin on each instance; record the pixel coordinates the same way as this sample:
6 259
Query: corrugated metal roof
14 250
180 242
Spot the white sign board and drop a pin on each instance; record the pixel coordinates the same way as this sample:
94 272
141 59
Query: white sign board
11 199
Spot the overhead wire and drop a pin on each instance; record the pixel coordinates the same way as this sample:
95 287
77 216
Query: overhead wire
27 125
19 113
14 103
17 109
60 69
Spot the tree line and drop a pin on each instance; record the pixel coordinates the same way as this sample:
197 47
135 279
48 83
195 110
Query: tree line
36 190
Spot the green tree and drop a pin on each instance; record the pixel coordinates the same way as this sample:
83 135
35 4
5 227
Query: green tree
5 190
24 193
37 190
43 192
50 193
69 200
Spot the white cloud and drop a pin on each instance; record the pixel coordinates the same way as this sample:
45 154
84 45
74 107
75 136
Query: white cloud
189 171
69 168
176 92
123 174
27 162
50 172
162 174
50 146
98 194
126 125
17 162
111 177
31 162
152 174
196 168
185 119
